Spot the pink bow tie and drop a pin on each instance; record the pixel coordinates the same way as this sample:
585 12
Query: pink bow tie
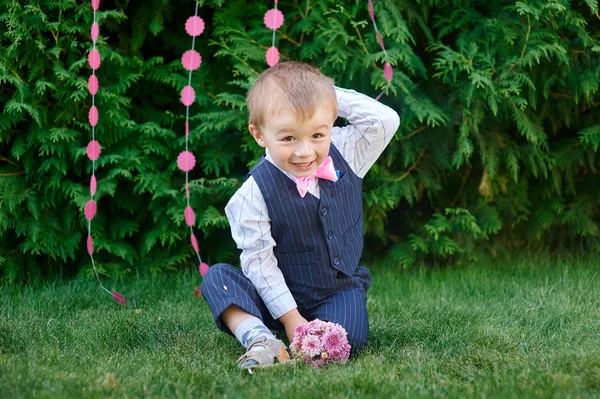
324 171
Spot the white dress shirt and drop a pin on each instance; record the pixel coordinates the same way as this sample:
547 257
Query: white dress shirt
371 127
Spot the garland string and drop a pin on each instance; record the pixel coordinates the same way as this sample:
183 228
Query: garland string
273 19
191 60
93 148
387 67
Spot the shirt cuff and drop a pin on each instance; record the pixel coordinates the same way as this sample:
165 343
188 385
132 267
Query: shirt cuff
281 305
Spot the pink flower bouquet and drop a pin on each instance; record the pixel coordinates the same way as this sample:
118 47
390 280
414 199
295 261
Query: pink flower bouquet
319 343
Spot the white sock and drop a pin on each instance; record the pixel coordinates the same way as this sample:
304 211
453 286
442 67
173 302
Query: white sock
250 329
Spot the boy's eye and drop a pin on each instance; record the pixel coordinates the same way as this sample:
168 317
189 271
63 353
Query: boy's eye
317 136
288 138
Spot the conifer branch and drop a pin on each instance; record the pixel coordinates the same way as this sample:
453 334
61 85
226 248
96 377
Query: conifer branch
526 37
7 160
306 10
12 174
360 39
362 43
305 15
569 96
413 166
524 47
413 133
14 71
587 109
289 39
237 57
462 187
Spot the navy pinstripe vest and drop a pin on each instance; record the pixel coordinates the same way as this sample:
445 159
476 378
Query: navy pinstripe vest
316 238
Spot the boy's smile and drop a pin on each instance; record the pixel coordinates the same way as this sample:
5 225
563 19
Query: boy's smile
297 147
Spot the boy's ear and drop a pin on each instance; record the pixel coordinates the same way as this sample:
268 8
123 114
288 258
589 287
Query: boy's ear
257 135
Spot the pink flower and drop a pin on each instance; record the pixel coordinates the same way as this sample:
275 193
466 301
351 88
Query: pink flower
301 330
332 341
311 346
296 344
335 355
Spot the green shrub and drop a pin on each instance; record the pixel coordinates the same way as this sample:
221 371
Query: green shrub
497 148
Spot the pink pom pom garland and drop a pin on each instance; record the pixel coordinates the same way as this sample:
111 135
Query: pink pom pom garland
387 67
93 149
191 60
273 20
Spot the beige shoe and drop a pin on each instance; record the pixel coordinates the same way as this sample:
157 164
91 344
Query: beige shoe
274 352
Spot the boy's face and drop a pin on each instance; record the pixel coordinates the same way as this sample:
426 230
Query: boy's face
297 147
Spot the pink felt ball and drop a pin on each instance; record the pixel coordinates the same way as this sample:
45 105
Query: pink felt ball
194 242
272 56
95 31
93 85
187 96
387 71
90 209
93 115
194 26
93 185
203 268
119 298
93 150
94 59
95 4
190 216
273 19
371 12
186 161
90 245
191 60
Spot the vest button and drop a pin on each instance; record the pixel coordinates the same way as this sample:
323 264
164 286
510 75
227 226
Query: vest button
324 211
336 261
330 235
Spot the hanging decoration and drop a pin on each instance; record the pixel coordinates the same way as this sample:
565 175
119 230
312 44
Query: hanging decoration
273 20
387 67
191 60
93 148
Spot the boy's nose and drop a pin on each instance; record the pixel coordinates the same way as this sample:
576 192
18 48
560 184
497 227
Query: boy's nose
302 150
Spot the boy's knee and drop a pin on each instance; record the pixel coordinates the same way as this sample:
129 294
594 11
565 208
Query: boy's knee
212 275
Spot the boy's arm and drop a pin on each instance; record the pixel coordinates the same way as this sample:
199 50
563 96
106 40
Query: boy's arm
372 126
251 230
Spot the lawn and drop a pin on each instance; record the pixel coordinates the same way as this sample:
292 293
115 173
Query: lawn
527 329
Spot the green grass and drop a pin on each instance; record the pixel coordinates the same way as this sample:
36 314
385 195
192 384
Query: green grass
529 329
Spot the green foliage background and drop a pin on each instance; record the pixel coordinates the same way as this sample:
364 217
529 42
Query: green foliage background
497 150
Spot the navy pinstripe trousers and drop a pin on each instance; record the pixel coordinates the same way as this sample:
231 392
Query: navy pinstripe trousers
346 304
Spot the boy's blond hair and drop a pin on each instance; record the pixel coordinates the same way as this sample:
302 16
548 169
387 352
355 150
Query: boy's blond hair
290 85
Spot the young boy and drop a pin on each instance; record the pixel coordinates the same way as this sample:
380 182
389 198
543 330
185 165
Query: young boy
298 217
